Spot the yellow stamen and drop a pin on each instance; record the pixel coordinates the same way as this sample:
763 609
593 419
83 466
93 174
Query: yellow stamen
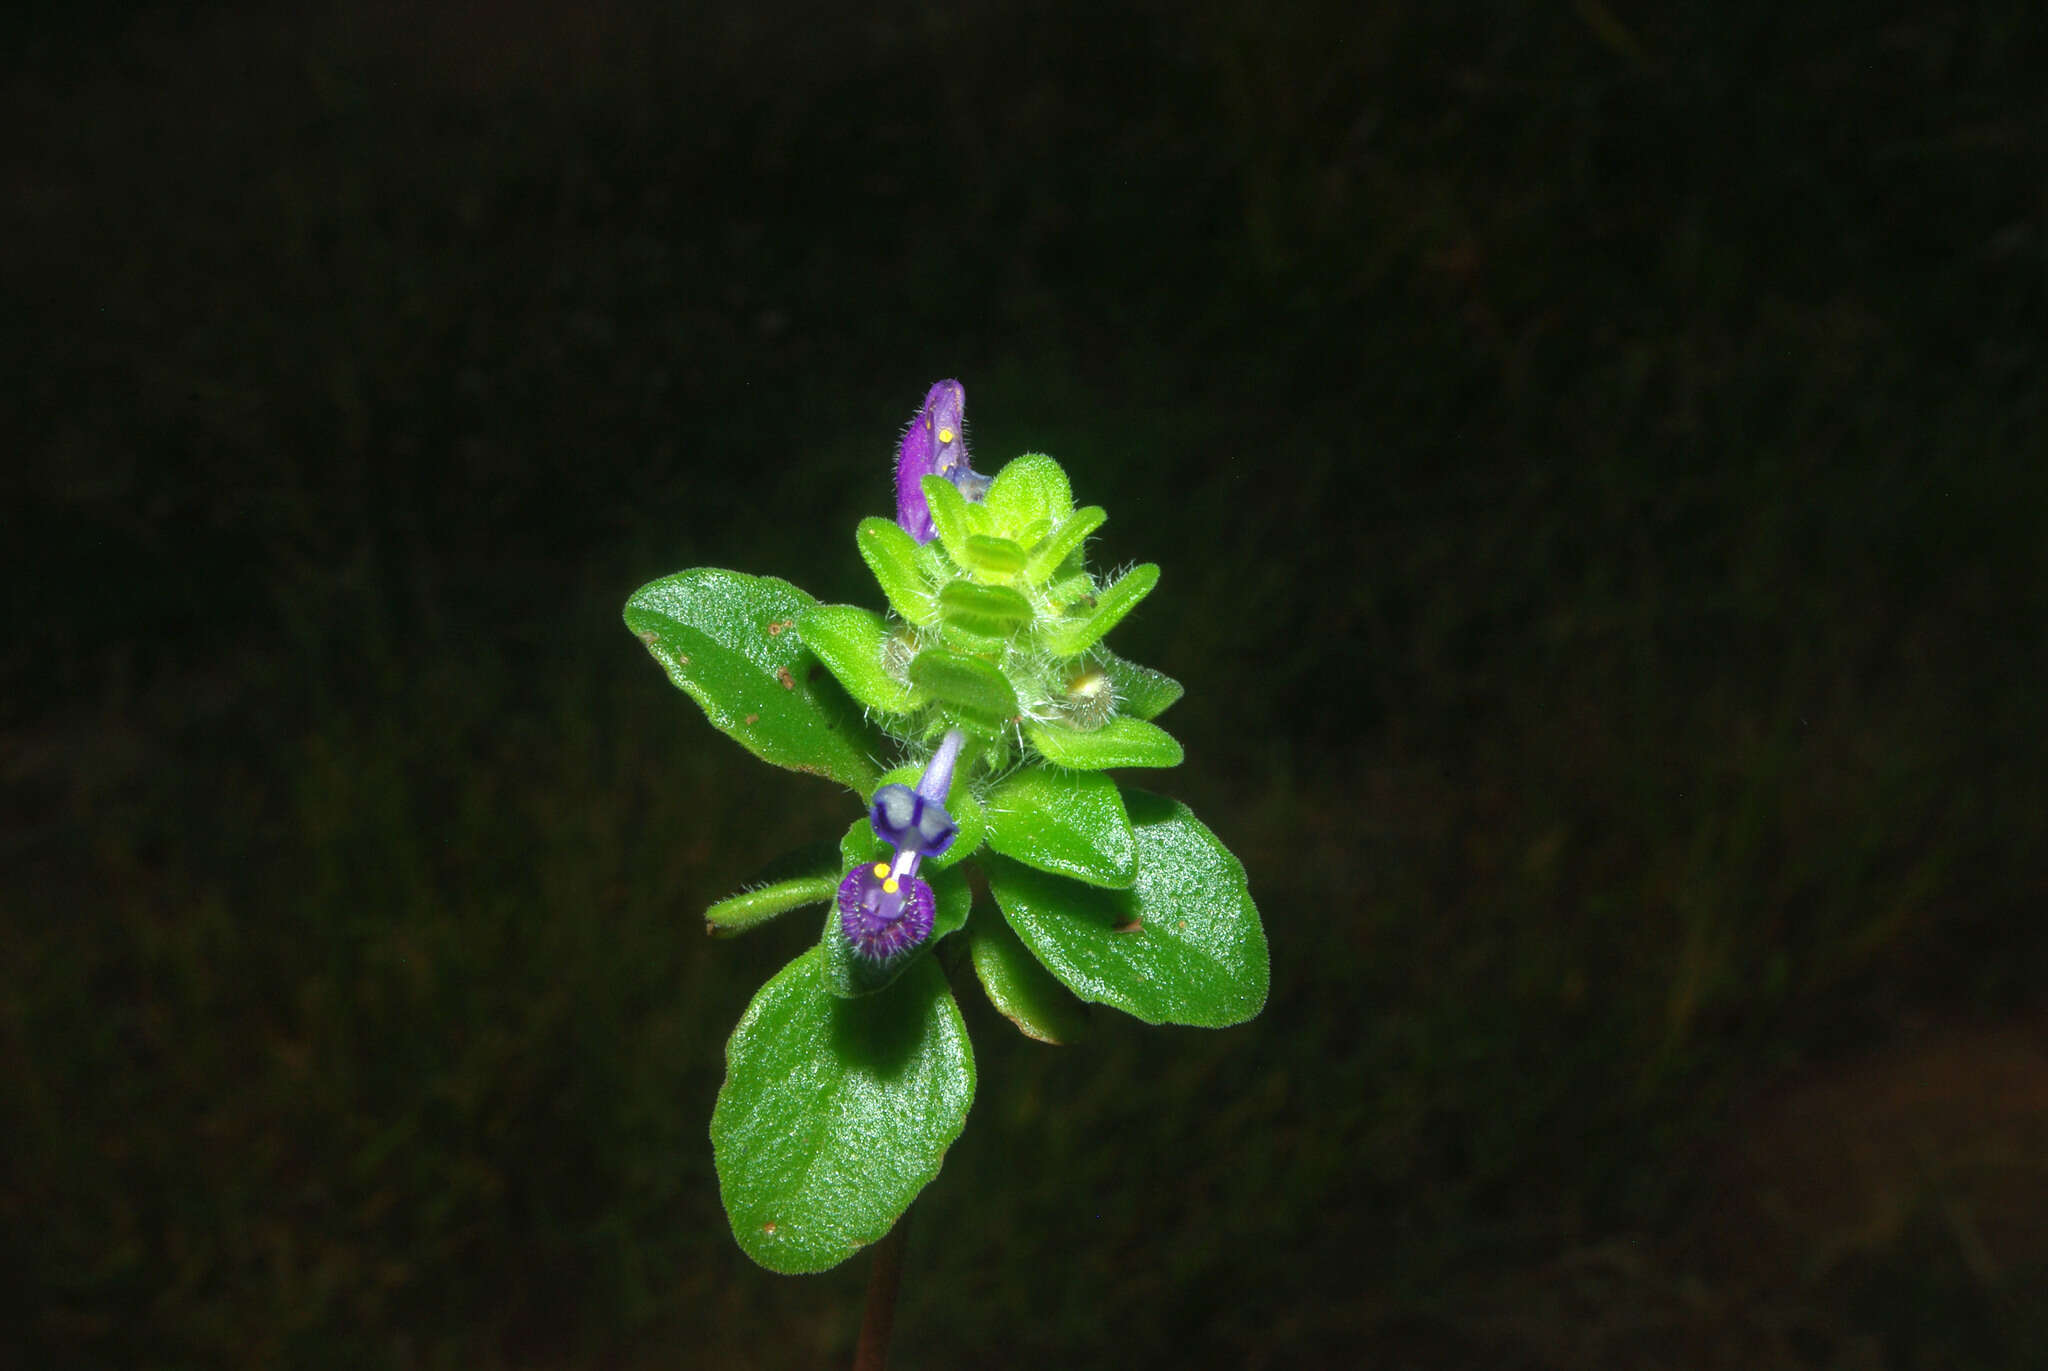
945 435
881 868
889 885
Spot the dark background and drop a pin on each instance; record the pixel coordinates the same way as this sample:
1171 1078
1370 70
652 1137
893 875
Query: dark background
1597 457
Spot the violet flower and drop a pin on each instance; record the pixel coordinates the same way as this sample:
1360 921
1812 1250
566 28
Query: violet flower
935 444
885 909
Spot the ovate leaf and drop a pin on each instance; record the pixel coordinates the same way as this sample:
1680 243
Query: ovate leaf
990 613
989 555
836 1112
850 640
1070 823
1032 489
966 682
1021 989
730 641
1184 945
1123 741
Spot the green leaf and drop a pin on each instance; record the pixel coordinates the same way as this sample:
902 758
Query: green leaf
1123 741
892 555
993 612
1184 945
849 640
1031 488
952 517
861 845
1077 632
1021 989
1027 537
1070 823
965 682
835 1113
750 908
1065 538
993 556
1075 588
851 975
808 875
1141 692
934 565
729 640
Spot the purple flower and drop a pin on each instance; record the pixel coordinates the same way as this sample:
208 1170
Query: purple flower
885 909
935 444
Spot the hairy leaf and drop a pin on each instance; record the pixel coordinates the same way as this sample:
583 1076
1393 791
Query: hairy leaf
1184 945
836 1112
1123 741
849 640
1070 823
1021 989
730 641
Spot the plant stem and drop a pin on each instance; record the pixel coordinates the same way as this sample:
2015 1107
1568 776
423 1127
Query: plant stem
873 1353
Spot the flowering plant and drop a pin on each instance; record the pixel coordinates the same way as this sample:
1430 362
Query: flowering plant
851 1072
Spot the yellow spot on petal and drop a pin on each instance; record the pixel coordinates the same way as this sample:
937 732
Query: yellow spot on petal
881 868
945 435
890 885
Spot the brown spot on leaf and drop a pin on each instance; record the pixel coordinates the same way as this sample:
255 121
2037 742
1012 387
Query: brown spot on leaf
648 636
753 718
1135 924
769 1228
775 629
782 675
1180 925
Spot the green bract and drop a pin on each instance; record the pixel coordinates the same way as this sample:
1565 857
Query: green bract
848 1078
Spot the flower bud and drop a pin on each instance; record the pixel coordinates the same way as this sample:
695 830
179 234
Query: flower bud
935 444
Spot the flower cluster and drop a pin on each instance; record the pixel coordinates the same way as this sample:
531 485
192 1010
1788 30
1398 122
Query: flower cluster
995 637
885 909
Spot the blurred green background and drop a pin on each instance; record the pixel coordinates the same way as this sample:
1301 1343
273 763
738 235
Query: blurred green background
1598 459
